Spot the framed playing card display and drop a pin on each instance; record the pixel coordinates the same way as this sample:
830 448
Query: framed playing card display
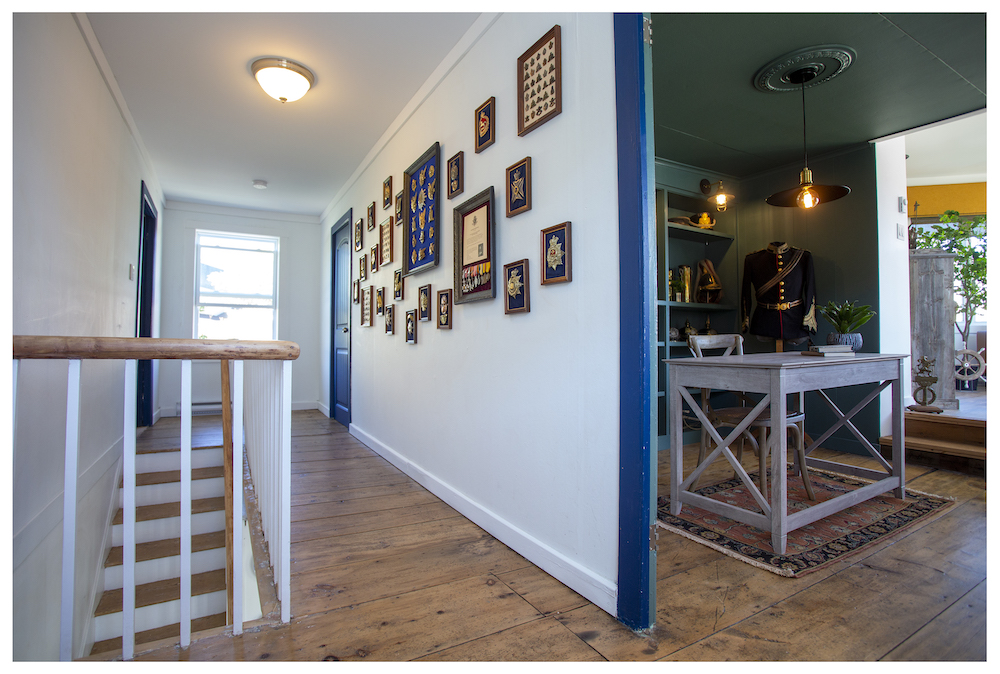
539 77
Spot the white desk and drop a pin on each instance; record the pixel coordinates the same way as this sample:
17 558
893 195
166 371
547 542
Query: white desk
776 375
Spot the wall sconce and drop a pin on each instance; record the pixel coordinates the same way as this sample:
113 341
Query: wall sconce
716 194
281 79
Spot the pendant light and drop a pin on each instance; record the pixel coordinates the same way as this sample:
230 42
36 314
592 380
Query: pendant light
811 66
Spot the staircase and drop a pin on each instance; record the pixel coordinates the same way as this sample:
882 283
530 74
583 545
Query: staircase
943 441
157 536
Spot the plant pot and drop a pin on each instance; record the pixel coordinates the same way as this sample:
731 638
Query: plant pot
851 338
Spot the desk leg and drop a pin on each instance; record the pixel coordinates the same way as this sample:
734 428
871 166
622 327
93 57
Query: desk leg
898 440
779 457
676 448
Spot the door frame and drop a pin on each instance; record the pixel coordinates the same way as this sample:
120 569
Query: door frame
144 302
343 221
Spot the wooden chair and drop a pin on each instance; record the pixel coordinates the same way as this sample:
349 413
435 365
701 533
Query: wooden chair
732 416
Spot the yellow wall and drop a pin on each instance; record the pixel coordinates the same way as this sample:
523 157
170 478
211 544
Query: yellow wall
966 198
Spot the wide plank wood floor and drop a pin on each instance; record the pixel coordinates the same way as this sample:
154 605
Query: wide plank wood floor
383 570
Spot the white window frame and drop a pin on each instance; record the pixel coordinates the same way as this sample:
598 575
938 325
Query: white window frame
197 282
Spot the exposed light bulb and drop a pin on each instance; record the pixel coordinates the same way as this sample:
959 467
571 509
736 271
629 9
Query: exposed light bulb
721 201
807 198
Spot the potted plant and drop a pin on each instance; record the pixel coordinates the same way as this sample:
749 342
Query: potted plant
846 319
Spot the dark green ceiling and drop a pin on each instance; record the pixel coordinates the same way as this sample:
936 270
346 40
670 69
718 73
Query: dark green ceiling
911 70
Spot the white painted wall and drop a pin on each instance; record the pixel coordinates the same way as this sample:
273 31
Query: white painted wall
893 265
512 419
298 295
76 207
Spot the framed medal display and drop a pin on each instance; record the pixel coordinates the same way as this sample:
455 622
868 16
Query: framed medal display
411 326
424 309
444 309
557 254
515 296
374 260
385 241
379 301
390 327
359 230
475 246
387 193
366 307
363 268
357 292
519 187
456 175
486 124
539 77
371 216
399 208
421 226
397 285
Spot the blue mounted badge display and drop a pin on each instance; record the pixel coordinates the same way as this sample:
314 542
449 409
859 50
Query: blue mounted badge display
421 194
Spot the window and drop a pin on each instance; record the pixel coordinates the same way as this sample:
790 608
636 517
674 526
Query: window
236 287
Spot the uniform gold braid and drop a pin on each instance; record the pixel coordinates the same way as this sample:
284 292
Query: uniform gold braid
809 321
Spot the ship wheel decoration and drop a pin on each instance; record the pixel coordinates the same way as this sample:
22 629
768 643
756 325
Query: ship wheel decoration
969 365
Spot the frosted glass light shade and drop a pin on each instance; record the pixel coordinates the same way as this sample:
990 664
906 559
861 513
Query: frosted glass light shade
281 79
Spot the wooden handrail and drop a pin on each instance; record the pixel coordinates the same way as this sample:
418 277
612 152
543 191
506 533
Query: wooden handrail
147 348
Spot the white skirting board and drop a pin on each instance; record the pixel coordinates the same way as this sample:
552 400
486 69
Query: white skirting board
580 579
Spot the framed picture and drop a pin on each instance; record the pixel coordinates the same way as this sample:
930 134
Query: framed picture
363 268
359 229
411 326
486 124
475 246
399 208
385 241
380 301
366 306
519 187
456 175
557 254
515 297
357 292
397 285
374 258
371 216
390 326
420 205
387 193
444 309
539 77
424 308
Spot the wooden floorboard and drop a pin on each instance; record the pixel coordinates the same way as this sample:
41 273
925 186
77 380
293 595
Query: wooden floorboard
383 570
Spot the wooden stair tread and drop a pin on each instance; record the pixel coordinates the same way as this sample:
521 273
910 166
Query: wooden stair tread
198 624
162 591
161 450
165 510
168 476
944 419
936 446
168 547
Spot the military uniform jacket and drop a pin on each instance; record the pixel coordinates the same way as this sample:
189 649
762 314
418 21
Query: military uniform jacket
782 281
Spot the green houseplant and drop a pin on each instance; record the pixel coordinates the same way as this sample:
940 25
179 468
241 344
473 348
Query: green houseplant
846 319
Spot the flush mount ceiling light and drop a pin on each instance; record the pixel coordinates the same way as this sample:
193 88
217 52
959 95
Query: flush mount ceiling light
796 71
716 194
281 79
260 184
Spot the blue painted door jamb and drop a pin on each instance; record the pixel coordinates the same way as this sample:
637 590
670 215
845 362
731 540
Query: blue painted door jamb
637 269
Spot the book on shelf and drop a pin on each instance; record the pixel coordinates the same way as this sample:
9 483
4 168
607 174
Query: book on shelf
832 348
829 354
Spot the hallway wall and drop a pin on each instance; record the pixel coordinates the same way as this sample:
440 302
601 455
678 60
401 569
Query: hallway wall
77 170
512 419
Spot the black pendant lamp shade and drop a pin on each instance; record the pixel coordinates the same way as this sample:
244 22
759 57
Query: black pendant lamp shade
793 71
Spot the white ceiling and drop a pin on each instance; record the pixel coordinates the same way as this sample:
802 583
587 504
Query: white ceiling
210 130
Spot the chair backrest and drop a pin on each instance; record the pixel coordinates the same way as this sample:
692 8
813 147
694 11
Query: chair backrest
697 344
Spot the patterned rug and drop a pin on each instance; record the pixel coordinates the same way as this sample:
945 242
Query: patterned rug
813 546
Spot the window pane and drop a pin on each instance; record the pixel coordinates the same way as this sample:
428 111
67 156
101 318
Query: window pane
235 323
247 273
234 242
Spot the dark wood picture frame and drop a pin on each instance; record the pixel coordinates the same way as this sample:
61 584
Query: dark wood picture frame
486 124
518 187
371 216
399 208
475 278
411 326
390 324
385 242
539 82
421 212
557 253
516 298
356 292
359 234
424 308
363 267
374 259
456 175
379 301
387 193
366 307
397 285
444 312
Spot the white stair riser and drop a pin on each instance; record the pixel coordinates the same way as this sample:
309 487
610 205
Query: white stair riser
150 617
153 570
157 462
170 527
168 492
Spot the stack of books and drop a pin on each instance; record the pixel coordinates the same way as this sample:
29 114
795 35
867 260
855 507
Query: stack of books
830 351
